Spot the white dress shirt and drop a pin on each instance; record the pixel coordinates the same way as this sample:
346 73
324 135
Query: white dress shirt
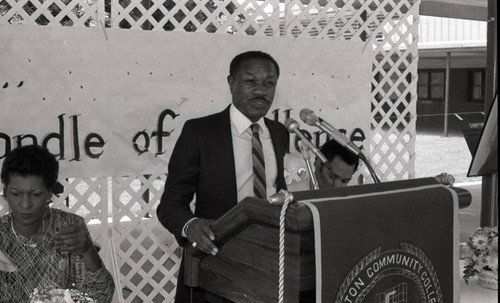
242 147
241 134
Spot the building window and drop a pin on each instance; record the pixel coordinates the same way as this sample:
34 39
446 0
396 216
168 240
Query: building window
476 86
431 85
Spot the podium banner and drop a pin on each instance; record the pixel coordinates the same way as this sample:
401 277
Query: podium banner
387 243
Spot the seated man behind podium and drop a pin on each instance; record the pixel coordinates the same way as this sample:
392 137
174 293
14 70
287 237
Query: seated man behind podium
344 164
212 159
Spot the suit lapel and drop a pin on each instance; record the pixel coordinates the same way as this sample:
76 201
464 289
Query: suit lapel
226 169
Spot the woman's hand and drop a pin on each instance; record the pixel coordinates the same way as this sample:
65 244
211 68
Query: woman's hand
77 238
74 237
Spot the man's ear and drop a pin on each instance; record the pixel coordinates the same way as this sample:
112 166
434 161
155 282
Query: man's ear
230 81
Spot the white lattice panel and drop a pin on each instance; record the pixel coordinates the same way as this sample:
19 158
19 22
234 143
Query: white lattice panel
145 256
54 12
390 28
248 17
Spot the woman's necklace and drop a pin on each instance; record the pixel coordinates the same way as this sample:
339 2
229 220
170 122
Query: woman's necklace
25 244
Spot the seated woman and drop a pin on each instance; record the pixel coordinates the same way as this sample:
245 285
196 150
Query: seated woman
49 247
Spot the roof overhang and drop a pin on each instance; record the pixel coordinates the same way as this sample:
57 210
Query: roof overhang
468 52
461 9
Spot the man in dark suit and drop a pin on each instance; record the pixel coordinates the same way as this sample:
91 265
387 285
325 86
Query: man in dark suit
213 159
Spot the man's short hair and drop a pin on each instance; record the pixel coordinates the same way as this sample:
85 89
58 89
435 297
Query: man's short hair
236 62
332 148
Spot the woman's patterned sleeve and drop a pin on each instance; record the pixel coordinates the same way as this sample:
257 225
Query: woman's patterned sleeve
100 285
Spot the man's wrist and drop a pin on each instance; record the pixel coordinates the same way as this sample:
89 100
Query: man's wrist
185 227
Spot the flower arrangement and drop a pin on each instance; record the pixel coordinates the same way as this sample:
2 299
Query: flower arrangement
481 253
58 295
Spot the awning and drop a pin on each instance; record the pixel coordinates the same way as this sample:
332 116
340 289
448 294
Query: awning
461 9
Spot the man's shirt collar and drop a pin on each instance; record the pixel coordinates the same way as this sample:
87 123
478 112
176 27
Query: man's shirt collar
241 122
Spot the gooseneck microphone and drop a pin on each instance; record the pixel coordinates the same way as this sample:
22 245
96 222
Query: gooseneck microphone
293 127
310 118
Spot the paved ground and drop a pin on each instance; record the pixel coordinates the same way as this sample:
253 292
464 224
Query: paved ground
436 153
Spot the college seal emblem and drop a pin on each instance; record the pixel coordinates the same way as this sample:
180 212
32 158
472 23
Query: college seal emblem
394 276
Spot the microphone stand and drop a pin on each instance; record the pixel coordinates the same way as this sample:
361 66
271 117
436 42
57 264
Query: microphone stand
375 178
305 155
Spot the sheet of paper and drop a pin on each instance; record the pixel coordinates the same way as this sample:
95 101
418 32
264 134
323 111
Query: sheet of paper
6 264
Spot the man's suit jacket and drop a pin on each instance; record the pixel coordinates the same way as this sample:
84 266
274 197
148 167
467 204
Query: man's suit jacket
202 163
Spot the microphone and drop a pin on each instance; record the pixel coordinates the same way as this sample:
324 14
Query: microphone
310 118
293 127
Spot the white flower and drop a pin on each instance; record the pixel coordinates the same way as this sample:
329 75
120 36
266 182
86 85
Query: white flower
483 261
480 241
58 295
67 296
480 252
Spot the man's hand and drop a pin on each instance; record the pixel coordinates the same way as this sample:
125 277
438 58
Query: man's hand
200 235
445 179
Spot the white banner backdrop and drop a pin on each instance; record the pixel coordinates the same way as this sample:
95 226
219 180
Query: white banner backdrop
111 102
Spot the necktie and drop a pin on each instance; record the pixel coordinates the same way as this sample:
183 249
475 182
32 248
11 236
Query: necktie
259 171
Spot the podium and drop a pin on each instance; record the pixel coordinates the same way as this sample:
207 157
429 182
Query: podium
381 245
